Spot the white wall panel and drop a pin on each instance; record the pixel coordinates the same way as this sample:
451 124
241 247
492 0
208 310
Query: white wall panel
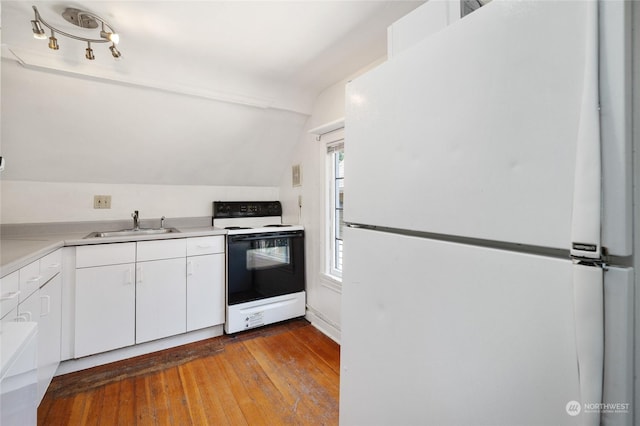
36 202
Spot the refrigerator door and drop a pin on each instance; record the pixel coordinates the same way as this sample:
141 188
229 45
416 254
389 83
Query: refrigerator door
474 131
441 333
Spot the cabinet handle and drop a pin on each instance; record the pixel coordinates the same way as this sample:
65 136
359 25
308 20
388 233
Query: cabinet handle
139 275
204 246
11 295
53 266
34 279
190 268
47 311
24 317
128 278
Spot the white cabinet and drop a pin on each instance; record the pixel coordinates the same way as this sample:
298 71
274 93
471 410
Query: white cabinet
49 332
9 294
40 301
160 299
105 298
205 282
130 293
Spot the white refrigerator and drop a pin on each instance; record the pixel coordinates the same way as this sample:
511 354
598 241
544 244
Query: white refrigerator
488 257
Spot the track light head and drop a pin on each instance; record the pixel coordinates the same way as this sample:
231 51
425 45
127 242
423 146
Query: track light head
38 32
89 52
112 37
53 42
114 51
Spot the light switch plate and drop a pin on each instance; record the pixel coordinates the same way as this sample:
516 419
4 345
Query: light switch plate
296 175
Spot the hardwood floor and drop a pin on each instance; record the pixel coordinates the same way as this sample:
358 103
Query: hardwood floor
285 374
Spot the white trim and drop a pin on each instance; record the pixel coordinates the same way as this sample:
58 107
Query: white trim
331 282
326 327
73 365
328 128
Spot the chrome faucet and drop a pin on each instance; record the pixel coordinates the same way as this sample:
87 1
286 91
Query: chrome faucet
135 216
162 222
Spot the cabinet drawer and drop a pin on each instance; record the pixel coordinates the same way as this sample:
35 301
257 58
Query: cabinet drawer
9 291
105 254
30 280
161 249
50 265
205 245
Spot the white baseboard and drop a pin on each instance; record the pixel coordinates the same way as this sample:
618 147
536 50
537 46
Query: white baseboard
72 365
330 330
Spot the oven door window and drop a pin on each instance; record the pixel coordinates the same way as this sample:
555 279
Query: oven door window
259 267
265 254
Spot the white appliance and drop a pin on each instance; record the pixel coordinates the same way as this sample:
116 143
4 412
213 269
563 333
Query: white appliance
488 181
265 264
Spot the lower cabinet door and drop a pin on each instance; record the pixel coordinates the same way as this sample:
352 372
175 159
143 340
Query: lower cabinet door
49 332
161 299
205 291
105 308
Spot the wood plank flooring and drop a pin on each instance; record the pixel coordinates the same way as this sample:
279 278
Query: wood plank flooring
284 374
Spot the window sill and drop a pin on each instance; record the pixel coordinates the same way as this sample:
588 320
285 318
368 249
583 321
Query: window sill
331 281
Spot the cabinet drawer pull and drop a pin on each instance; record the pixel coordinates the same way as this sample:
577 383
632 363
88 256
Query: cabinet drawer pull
53 266
190 268
35 279
139 275
10 296
204 246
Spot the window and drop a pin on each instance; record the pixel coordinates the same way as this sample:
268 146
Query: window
335 160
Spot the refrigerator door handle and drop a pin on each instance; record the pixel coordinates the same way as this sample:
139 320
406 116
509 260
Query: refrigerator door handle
588 288
587 192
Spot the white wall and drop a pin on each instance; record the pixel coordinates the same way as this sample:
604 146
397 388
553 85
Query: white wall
37 202
64 128
323 293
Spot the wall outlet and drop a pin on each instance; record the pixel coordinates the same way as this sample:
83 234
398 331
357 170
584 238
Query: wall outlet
102 201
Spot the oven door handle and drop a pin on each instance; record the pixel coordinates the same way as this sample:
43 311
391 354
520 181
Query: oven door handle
268 236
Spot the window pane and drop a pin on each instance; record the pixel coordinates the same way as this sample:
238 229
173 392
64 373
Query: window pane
339 225
337 203
340 164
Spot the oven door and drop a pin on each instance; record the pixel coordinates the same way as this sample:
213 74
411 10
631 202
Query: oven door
264 265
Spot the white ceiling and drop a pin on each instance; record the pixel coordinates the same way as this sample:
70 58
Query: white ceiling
206 92
275 53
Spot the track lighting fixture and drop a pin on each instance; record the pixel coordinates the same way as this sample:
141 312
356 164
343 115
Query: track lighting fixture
82 19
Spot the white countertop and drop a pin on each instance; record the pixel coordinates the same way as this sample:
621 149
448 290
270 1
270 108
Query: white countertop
18 251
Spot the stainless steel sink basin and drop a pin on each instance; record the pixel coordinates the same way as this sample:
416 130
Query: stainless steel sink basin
132 232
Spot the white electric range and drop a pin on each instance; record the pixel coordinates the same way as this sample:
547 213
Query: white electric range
265 264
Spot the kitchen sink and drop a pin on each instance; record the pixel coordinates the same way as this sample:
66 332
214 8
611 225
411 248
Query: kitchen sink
132 232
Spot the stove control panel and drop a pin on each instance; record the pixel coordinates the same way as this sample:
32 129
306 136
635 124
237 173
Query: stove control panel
229 209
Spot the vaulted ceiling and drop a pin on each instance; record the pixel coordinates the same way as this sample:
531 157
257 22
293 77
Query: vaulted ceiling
202 90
